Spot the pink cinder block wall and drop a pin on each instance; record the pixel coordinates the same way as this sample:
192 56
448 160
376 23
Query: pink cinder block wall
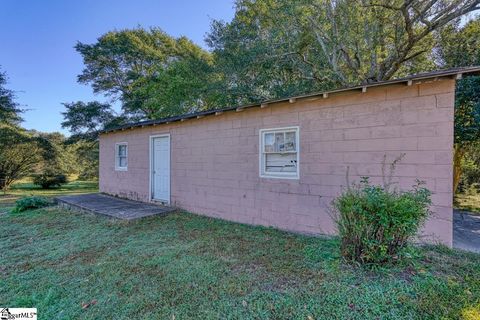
215 159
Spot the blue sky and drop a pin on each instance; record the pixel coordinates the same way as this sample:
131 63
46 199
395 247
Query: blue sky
37 39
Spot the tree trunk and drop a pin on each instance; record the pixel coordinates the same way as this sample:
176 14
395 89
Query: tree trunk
3 184
459 152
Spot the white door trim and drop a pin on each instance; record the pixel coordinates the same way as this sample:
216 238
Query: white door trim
150 175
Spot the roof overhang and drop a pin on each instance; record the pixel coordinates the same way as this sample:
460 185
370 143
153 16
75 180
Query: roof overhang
456 74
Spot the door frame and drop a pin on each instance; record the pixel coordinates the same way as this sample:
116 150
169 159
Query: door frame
150 175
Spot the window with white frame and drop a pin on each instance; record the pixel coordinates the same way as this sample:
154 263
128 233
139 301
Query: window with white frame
121 156
279 153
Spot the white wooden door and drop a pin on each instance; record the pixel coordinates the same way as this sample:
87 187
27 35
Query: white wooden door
161 169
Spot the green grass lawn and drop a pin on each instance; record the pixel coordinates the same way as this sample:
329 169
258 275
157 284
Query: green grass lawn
74 187
27 188
468 202
183 266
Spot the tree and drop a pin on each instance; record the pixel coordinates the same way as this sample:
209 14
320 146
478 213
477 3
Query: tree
58 156
86 159
306 45
9 108
24 152
467 123
131 65
182 87
255 52
20 152
460 46
386 36
17 148
85 120
58 160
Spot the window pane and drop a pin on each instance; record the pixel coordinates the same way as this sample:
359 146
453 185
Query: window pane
122 150
122 162
281 162
290 141
279 142
269 142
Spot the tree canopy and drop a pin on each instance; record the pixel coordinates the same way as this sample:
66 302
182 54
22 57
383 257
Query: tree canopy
150 72
271 49
458 47
16 158
19 153
86 119
10 111
276 48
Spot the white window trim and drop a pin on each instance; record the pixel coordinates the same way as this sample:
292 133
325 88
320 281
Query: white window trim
278 175
117 166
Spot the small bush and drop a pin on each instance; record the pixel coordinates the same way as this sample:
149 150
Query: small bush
48 180
375 224
29 203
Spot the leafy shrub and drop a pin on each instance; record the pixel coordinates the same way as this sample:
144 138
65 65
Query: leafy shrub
375 223
472 190
470 176
49 179
33 202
